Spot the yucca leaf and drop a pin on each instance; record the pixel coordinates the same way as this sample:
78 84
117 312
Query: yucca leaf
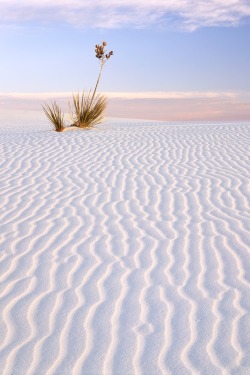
55 116
88 111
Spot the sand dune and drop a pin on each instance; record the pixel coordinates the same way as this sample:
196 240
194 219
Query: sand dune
125 249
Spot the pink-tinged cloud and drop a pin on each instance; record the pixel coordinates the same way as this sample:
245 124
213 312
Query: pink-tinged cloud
180 109
168 106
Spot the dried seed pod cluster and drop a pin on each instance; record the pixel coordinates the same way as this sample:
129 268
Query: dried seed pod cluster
101 53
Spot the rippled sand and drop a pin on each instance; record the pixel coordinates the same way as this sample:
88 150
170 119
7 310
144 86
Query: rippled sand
125 249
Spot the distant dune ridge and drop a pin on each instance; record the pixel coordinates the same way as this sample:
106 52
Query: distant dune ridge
125 248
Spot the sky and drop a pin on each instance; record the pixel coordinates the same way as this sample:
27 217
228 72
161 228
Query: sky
191 55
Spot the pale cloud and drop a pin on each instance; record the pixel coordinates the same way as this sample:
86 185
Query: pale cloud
135 95
185 14
173 95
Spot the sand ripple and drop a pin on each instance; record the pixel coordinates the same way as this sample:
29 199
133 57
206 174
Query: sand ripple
125 249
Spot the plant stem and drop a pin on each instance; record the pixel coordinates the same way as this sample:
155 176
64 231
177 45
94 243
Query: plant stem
97 82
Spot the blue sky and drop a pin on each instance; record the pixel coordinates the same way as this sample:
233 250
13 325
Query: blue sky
165 46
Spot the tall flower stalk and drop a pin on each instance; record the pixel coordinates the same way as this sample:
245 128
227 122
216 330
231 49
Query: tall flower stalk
103 57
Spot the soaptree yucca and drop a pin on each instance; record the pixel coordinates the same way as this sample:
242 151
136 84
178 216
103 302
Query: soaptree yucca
88 108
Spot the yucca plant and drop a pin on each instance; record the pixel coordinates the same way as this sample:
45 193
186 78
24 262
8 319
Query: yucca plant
55 116
88 111
89 108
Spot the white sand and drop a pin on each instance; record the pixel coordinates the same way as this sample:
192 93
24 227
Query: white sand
125 249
